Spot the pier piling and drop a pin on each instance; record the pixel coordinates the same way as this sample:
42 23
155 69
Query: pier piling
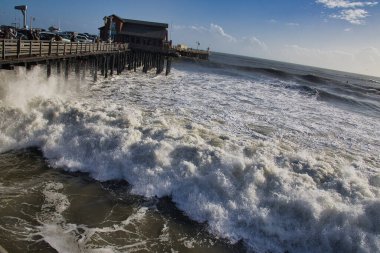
58 67
67 69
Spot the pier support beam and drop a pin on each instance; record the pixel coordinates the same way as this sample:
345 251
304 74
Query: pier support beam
84 69
67 69
112 64
134 62
58 67
77 69
48 69
168 65
95 68
102 64
28 66
106 66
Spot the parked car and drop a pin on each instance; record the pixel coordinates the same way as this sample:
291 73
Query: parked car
21 36
83 39
47 36
53 37
92 37
65 38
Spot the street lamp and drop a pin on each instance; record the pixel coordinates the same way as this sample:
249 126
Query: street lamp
31 20
23 9
198 44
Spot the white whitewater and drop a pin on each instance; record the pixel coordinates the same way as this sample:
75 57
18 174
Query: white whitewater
276 168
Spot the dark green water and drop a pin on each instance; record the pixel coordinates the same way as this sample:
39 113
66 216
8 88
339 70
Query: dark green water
47 210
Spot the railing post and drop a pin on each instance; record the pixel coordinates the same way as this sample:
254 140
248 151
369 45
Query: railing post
40 48
50 47
3 50
30 48
76 50
18 47
59 67
95 68
57 48
71 47
64 49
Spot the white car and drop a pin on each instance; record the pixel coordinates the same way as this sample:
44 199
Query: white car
83 39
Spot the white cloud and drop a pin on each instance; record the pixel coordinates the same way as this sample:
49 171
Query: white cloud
219 30
348 30
253 44
354 16
292 24
213 29
350 11
345 4
255 41
198 28
178 27
218 39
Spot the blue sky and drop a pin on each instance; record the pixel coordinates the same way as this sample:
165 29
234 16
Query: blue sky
336 34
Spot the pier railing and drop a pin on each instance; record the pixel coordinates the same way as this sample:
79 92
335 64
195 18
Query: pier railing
193 53
10 49
106 57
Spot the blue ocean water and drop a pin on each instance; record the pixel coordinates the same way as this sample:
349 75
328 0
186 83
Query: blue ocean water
262 156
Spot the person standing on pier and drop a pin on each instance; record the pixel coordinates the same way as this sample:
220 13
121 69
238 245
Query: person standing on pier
73 38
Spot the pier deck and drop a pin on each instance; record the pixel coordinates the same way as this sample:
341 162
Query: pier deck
105 57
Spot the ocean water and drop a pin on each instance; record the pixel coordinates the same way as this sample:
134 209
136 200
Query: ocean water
232 155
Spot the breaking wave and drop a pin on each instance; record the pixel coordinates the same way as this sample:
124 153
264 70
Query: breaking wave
276 168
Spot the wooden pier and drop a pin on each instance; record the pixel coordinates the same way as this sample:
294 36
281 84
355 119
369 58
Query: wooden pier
193 53
107 58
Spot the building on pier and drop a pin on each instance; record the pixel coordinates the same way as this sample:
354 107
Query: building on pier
135 32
